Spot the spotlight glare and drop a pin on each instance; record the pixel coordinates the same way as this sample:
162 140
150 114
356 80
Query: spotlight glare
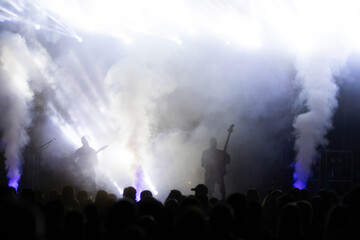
150 184
127 40
79 39
176 40
121 191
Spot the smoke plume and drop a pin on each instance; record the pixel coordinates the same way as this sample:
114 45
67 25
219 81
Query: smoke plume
15 98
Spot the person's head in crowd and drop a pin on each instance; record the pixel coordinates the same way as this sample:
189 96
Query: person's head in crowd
130 193
150 225
152 207
68 193
237 201
83 199
74 225
319 209
337 219
274 196
201 194
112 196
200 189
253 213
304 194
175 194
146 194
295 193
285 199
221 219
306 212
82 195
329 198
252 194
190 201
352 201
171 205
101 196
191 223
120 215
289 222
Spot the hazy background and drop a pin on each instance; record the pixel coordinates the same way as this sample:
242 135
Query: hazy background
156 80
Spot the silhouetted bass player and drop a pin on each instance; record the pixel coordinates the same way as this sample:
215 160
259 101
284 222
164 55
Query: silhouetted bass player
214 161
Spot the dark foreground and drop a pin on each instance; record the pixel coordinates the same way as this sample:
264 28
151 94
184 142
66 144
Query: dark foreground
280 215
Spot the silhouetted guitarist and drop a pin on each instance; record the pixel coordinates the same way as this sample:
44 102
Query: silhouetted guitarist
86 160
214 161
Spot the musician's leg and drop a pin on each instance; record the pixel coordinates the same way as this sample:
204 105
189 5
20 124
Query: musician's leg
91 180
211 186
222 187
207 178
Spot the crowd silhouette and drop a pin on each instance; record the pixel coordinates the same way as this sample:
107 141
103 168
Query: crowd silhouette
292 214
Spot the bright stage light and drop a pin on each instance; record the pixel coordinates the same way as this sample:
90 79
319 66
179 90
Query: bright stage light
176 40
157 18
126 39
79 39
120 190
301 25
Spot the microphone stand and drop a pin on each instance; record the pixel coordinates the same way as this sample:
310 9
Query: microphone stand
45 145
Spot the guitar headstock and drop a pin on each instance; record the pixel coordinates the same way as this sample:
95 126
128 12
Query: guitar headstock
231 128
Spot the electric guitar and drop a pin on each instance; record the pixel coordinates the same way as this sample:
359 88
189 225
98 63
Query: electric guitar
102 148
230 130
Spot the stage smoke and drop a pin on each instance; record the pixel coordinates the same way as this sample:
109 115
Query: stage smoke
320 93
156 80
15 98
